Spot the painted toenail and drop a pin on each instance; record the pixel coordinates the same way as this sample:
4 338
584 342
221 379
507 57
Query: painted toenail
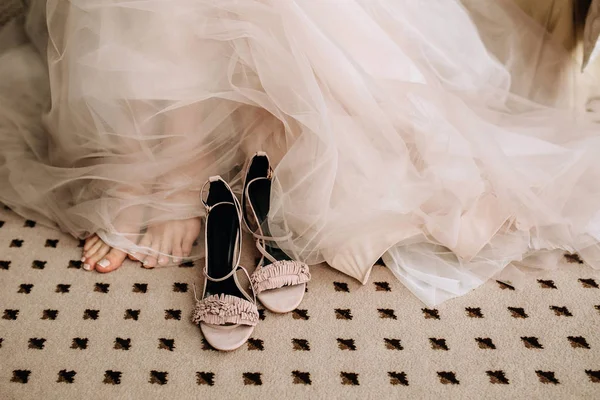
82 259
87 267
104 263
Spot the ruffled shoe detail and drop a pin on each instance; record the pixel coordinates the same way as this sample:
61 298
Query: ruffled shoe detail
279 274
225 309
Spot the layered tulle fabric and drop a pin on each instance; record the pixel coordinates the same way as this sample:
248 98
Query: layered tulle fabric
444 136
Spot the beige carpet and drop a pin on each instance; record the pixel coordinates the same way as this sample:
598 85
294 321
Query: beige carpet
67 334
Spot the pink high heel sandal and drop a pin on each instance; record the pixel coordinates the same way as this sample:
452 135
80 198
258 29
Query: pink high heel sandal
278 281
226 313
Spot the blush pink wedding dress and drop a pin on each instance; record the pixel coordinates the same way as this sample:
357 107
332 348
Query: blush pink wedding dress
445 136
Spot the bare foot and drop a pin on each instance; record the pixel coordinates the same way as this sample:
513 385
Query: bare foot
168 242
100 256
171 241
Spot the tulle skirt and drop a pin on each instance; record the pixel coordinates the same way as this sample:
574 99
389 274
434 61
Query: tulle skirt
443 136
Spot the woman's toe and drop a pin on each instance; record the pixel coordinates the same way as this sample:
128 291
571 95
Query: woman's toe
111 261
90 262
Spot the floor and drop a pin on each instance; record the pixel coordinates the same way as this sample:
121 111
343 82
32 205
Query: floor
66 333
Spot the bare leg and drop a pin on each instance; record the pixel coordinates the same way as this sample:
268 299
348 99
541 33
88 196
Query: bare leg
171 241
97 254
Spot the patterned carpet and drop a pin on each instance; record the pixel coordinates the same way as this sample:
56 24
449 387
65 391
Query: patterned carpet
66 333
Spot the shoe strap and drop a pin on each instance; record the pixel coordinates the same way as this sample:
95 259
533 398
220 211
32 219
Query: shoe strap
210 278
236 202
229 275
260 239
207 183
249 280
246 196
260 244
238 208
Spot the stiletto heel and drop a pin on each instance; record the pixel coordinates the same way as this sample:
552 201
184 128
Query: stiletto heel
226 313
278 281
